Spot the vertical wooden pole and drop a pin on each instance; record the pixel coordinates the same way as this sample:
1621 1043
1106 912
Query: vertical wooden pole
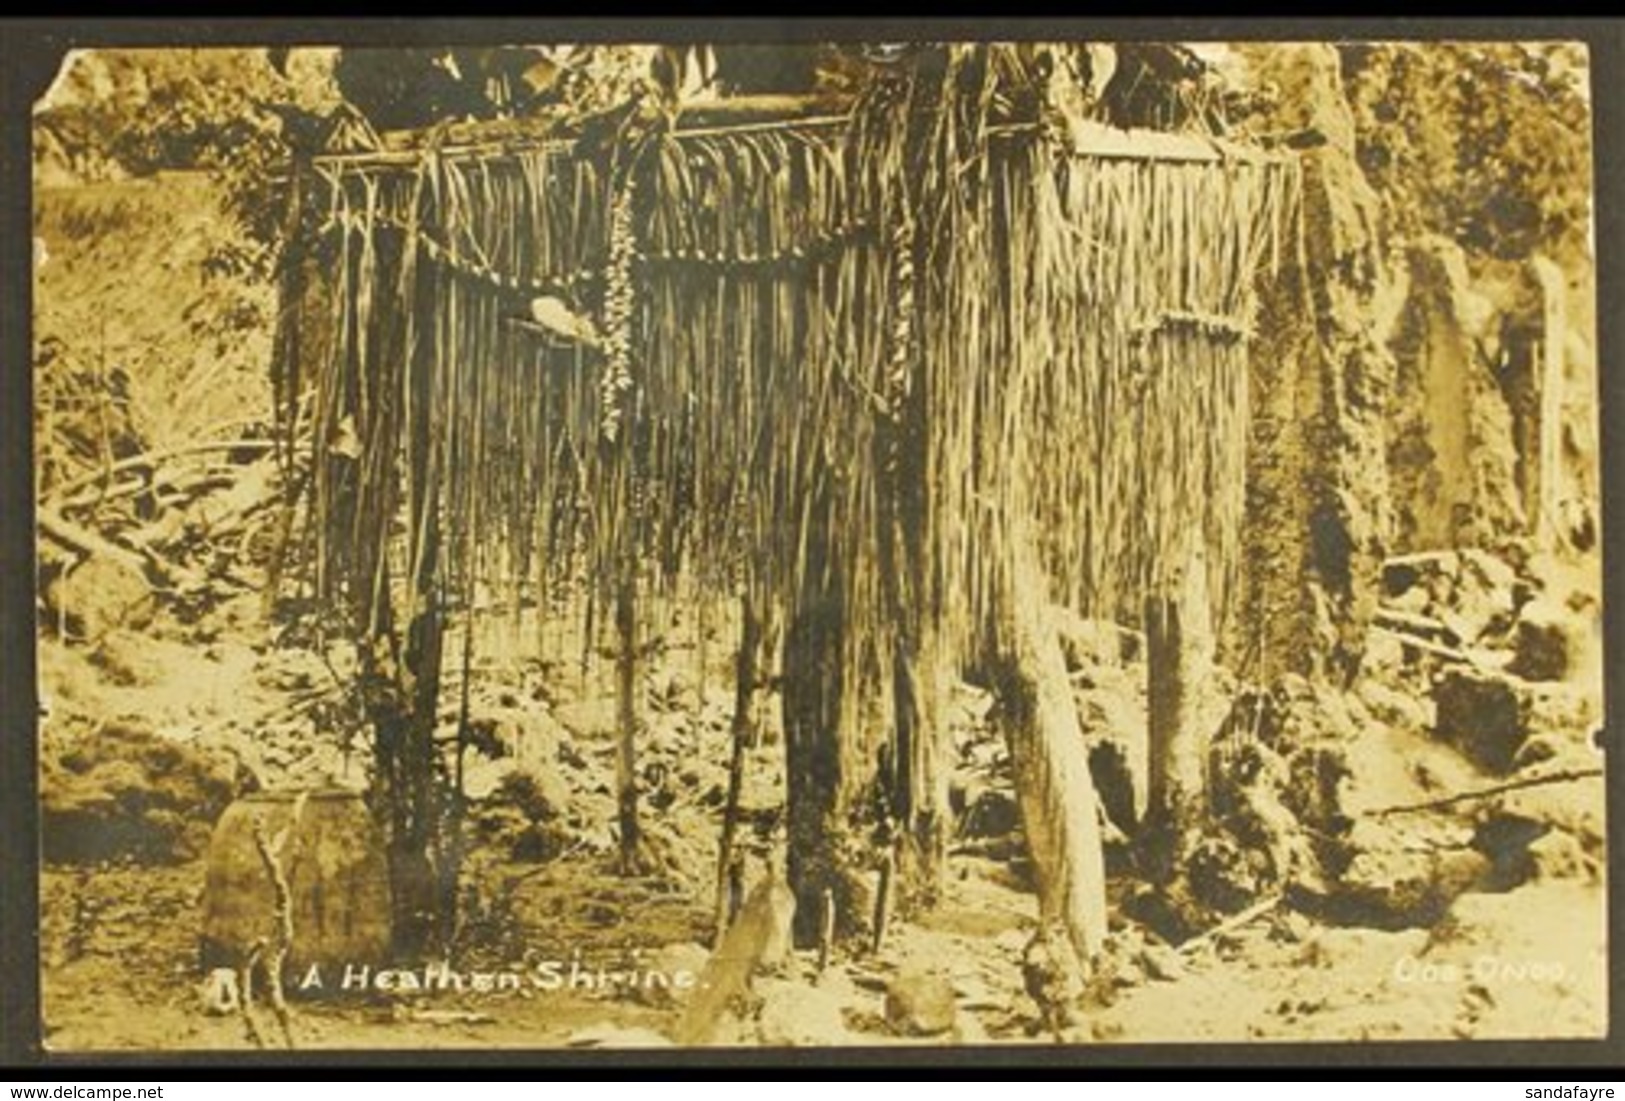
1178 657
620 429
626 681
750 634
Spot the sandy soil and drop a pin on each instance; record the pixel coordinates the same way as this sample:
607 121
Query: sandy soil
121 963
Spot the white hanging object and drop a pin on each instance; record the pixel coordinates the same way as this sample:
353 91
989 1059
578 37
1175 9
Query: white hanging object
557 318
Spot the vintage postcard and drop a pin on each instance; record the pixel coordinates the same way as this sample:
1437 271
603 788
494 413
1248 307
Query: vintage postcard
570 545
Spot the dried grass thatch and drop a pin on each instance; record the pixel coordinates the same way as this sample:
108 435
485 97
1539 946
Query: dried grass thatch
849 362
1083 327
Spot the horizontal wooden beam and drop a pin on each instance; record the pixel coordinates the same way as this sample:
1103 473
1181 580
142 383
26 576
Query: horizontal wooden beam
746 114
740 114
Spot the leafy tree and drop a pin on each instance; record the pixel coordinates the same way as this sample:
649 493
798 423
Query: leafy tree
1486 143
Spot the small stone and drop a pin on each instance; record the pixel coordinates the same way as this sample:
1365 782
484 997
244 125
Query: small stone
101 594
1544 642
613 1037
218 993
1291 927
1011 941
794 1015
1559 855
1106 1031
920 1003
1162 963
1541 747
680 965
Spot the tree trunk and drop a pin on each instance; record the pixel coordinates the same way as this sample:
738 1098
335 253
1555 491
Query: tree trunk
1323 383
827 777
1059 807
424 784
402 668
401 703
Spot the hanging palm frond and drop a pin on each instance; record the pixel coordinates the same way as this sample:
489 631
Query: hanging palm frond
1080 324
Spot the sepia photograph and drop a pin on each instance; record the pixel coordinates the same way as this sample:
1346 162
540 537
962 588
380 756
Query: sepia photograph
817 544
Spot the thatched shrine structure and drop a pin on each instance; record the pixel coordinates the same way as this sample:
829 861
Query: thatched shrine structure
893 381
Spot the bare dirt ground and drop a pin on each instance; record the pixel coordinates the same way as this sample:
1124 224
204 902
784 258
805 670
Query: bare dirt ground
1519 954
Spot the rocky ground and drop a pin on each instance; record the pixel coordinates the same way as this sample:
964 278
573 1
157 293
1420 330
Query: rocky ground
171 685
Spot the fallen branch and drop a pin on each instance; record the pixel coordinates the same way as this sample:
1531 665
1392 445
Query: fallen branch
169 482
1232 923
1414 623
88 544
1562 777
162 575
1420 558
1438 650
153 458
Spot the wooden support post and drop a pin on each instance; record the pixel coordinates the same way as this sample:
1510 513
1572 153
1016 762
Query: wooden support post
1178 657
744 725
626 683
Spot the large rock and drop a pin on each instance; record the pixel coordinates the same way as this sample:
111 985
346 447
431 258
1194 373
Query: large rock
540 795
333 864
1481 715
530 736
592 720
1489 717
1396 888
920 1003
1558 854
100 595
